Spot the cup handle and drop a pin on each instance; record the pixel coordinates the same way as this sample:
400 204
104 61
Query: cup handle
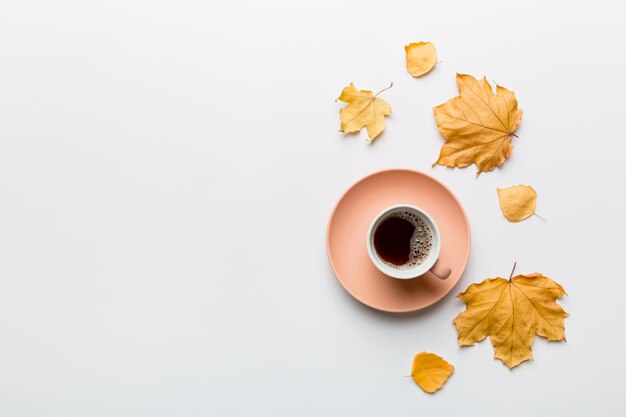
440 269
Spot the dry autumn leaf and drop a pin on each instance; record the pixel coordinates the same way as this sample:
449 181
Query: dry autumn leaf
430 371
364 109
511 312
477 125
517 202
421 57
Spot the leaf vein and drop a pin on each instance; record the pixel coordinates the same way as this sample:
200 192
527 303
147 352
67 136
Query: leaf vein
534 306
487 104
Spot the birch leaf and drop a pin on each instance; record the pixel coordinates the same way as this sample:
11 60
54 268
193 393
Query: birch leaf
517 202
421 57
430 371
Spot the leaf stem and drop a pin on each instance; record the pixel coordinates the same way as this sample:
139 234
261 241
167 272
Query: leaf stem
386 88
513 134
542 218
512 270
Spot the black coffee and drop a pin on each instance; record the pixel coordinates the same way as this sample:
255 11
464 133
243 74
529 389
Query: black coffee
403 240
392 240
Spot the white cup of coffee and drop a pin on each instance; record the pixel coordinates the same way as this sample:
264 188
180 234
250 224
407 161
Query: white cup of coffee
403 242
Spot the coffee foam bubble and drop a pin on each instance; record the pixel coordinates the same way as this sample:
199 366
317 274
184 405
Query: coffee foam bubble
421 242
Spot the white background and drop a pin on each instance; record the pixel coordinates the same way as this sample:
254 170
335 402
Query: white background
167 169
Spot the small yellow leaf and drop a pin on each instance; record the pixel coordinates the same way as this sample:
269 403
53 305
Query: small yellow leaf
421 57
477 125
430 371
364 109
511 312
517 202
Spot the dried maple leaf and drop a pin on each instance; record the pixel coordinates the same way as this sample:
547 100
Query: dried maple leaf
421 57
363 109
517 202
511 312
477 125
430 371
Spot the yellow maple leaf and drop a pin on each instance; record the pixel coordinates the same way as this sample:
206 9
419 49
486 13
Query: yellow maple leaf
364 109
430 371
477 125
421 57
517 202
511 312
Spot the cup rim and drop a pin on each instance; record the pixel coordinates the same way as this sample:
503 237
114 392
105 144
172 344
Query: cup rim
419 270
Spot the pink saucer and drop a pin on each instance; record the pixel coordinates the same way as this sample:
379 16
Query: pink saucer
347 230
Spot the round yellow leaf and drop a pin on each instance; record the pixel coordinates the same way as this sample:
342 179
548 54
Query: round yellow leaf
517 202
421 57
430 371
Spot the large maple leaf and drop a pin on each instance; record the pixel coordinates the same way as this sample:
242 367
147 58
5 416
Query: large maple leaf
477 125
511 312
